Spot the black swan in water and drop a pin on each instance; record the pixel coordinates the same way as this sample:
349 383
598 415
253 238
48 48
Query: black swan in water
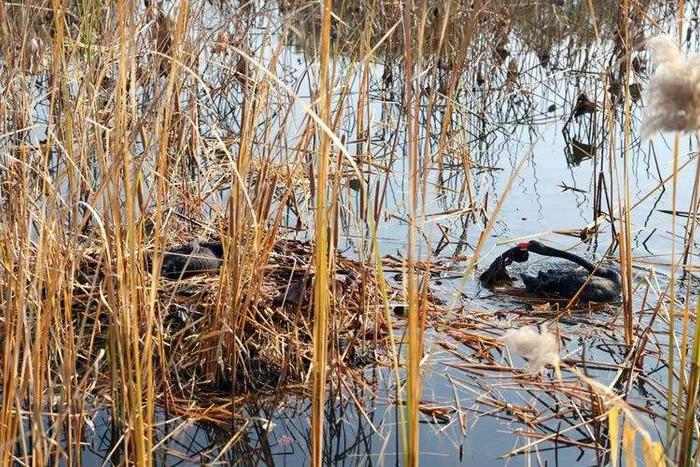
600 284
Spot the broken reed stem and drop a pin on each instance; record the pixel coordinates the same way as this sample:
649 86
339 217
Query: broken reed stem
322 253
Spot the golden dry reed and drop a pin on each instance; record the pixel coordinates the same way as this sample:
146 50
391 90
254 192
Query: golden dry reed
322 253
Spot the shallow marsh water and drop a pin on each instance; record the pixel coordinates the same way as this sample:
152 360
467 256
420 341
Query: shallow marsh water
508 117
530 119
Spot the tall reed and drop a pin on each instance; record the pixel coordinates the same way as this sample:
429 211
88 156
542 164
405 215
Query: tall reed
414 331
322 247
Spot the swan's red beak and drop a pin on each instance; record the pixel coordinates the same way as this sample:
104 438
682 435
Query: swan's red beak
524 245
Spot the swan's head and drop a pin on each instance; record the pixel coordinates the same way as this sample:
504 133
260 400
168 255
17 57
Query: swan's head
533 245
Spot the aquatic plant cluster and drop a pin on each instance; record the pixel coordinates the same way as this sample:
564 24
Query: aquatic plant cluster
247 232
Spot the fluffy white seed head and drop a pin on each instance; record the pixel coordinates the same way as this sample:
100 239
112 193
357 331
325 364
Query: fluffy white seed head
674 90
539 349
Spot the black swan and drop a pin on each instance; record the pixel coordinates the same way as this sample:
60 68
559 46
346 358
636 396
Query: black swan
191 259
600 284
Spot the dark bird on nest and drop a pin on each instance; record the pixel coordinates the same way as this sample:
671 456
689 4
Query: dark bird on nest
597 284
192 259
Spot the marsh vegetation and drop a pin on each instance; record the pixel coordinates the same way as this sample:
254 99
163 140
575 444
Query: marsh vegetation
249 232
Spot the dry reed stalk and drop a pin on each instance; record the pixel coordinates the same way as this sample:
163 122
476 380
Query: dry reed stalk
322 249
625 237
672 299
125 351
685 453
685 449
414 332
686 435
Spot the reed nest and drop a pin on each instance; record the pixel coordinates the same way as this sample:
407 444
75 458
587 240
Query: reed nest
274 326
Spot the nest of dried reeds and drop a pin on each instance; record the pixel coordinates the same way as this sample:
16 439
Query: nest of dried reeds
207 352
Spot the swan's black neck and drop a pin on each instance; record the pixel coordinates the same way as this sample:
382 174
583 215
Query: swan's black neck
548 251
590 267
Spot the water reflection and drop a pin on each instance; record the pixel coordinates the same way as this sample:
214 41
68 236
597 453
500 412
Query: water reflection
475 409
